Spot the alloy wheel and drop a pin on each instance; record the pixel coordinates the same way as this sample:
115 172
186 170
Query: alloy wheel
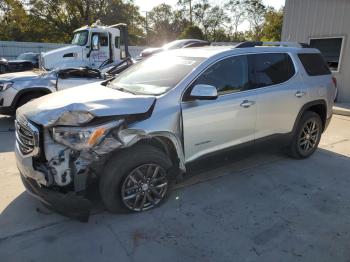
144 187
309 136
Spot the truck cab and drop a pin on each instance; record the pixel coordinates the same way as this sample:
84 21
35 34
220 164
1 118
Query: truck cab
91 46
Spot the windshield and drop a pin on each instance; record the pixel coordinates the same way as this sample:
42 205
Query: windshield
26 57
80 38
155 75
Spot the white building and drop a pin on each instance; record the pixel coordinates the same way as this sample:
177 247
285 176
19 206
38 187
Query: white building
324 24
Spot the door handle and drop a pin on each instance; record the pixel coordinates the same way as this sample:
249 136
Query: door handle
247 103
300 94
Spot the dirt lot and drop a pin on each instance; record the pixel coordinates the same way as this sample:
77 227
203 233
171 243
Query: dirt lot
264 207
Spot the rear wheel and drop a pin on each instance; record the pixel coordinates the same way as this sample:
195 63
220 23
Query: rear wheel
307 136
137 179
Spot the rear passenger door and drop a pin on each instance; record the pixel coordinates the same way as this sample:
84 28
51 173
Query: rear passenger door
281 93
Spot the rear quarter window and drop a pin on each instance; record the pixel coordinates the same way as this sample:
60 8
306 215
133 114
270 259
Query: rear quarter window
314 64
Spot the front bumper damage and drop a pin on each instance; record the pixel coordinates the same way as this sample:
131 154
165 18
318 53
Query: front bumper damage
37 184
59 176
69 204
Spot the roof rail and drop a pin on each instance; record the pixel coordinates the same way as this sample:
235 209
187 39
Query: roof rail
259 43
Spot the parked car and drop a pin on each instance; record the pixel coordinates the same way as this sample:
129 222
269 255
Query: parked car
177 44
16 89
136 133
23 62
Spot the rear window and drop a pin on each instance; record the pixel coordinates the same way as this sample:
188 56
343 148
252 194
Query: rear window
270 69
314 64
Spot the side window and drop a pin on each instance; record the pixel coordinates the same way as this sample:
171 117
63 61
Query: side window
103 39
314 64
228 76
270 69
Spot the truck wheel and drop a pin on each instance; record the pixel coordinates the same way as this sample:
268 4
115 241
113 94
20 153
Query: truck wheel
136 180
27 97
307 136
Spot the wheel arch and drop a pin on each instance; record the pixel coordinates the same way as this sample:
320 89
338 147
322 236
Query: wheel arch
23 92
317 106
170 145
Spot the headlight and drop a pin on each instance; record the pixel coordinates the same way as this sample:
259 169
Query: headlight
5 85
81 138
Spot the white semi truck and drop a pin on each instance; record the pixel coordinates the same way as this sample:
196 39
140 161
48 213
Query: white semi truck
92 46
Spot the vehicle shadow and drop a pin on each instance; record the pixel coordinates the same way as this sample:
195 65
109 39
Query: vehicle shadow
215 168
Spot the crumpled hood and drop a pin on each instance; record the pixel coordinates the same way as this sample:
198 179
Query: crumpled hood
20 76
93 98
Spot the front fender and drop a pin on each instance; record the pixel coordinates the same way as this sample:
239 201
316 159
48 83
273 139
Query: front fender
129 137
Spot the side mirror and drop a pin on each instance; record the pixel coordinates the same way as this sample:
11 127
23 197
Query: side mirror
204 92
95 42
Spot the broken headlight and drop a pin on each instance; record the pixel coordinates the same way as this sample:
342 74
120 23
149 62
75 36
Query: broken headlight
81 138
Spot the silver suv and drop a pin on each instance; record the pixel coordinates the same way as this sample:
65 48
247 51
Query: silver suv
133 135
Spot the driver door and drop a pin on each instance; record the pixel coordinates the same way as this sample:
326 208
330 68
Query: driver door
212 125
100 49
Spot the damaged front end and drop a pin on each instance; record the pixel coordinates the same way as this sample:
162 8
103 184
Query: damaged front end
59 161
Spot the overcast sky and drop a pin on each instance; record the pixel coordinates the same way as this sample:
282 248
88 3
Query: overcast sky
146 5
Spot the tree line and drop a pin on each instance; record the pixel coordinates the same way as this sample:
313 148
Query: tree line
55 20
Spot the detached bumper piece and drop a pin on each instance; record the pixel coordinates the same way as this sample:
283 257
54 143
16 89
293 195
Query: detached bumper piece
70 204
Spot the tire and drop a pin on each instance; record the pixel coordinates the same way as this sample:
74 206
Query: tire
307 136
117 183
26 98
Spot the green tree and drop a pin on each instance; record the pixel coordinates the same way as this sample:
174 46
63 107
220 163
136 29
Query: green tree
220 35
14 21
256 11
237 12
192 32
187 7
165 23
209 18
55 20
272 27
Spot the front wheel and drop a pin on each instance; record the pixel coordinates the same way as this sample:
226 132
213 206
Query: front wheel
137 179
307 136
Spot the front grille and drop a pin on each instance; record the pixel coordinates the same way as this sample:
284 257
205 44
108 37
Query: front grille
27 137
